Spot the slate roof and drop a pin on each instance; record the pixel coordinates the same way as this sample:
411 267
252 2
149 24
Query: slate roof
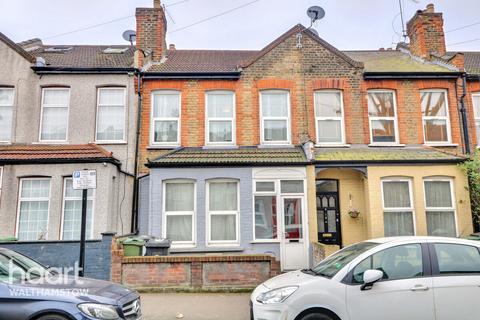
41 153
86 56
383 155
237 156
393 61
472 62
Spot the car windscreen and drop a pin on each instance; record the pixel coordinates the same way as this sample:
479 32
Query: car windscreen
334 263
15 267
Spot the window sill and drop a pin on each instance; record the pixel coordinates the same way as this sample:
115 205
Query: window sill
166 147
276 145
391 145
222 245
446 144
265 241
109 142
51 142
5 143
220 146
324 145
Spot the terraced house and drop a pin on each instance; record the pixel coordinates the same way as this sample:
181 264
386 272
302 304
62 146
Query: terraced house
278 150
65 108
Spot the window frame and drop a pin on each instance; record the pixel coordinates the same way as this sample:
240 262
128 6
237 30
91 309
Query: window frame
376 118
19 201
320 118
436 265
476 117
124 139
12 106
400 209
165 213
446 117
452 195
221 243
275 193
153 119
57 106
287 118
64 199
209 119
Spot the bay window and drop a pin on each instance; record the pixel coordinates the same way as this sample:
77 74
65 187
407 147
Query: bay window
222 211
476 113
33 209
329 117
397 208
111 112
440 207
436 123
179 211
275 117
220 116
382 117
72 212
6 113
54 119
165 125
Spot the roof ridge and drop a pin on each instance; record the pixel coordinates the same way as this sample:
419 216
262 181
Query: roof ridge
9 42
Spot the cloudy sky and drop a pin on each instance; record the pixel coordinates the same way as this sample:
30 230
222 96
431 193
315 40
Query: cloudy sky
348 24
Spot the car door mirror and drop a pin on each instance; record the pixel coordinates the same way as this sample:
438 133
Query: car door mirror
369 278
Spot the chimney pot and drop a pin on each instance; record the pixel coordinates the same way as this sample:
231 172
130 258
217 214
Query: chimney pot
172 46
430 8
156 4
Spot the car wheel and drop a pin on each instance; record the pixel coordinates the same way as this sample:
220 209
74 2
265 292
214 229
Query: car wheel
317 316
52 317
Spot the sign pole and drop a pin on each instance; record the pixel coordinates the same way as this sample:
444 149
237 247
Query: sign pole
82 233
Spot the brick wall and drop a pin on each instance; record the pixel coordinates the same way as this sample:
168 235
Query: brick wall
216 272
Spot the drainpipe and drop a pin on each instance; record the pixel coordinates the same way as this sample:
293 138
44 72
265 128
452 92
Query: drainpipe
463 112
134 227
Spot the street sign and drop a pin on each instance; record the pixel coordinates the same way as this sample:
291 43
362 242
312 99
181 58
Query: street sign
84 179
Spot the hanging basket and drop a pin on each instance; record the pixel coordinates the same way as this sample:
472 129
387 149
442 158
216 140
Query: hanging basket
354 213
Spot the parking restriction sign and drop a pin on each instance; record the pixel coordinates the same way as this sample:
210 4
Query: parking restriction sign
84 179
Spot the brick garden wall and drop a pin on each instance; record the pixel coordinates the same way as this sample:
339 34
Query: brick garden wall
209 273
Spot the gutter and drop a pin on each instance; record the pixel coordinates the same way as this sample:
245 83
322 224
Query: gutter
192 75
58 161
411 75
336 163
69 70
230 164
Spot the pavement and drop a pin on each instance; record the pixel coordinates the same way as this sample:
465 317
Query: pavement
195 306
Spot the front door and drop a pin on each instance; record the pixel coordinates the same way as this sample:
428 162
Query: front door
293 237
328 212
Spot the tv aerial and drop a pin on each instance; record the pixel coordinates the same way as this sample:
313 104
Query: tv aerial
129 36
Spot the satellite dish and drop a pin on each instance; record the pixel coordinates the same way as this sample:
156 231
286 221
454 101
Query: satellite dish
315 13
129 36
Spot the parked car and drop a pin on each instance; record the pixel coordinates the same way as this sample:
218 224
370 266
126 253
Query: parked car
26 294
414 278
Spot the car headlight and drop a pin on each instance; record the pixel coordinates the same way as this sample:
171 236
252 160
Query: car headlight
276 295
99 311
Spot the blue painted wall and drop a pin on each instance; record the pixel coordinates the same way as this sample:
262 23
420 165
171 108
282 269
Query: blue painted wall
61 254
151 214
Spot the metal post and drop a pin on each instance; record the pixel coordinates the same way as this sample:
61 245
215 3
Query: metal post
81 262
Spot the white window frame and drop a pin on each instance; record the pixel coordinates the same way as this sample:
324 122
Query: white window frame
476 116
155 119
165 213
222 243
54 106
231 119
287 118
1 181
376 118
446 117
20 199
320 118
65 198
400 209
124 105
275 193
452 195
11 106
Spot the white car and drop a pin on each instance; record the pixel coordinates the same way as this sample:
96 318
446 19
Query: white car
403 278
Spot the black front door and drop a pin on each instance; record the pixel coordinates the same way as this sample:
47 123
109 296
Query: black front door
328 212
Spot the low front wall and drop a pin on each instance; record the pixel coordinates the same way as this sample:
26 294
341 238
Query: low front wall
195 272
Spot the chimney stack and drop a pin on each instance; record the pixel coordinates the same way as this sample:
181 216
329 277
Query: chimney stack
425 31
151 33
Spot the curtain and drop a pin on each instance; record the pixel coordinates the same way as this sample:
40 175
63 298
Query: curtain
223 227
223 196
54 123
179 228
441 223
396 194
72 219
166 105
33 220
166 131
56 97
398 224
274 104
6 123
328 104
438 194
329 131
111 97
220 131
275 130
220 105
111 122
179 196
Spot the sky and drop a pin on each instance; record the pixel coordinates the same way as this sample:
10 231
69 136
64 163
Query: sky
348 24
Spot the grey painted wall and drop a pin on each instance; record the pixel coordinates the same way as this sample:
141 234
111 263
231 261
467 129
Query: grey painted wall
62 254
201 175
